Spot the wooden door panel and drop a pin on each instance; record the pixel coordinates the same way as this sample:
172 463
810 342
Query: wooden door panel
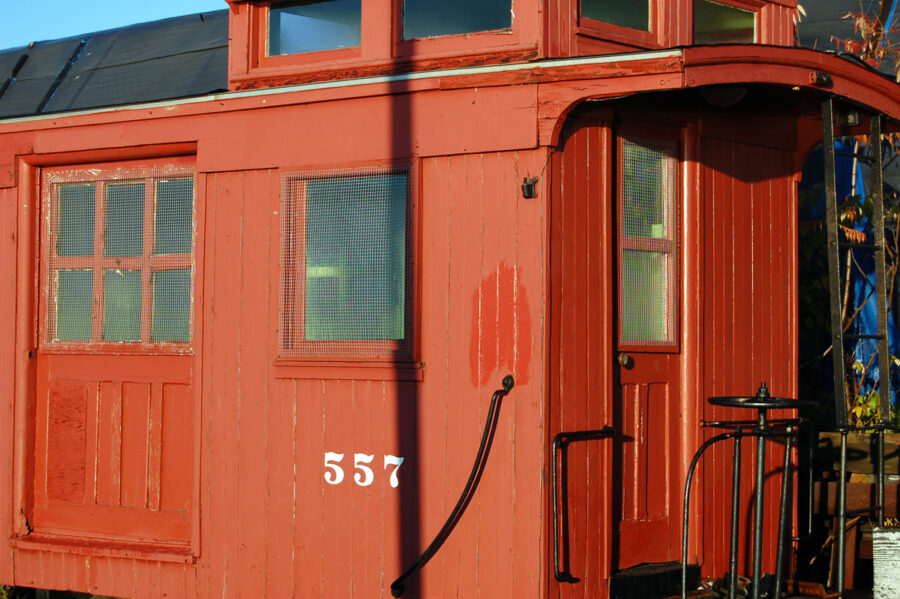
109 455
119 523
115 389
177 436
116 456
645 445
66 422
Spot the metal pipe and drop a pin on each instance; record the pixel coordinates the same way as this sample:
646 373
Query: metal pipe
760 484
842 514
834 269
560 444
554 478
881 474
687 502
782 513
735 517
809 475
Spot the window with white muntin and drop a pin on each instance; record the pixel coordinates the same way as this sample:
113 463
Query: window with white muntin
118 254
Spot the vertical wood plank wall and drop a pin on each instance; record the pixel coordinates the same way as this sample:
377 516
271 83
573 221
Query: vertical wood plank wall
581 337
8 218
749 206
270 524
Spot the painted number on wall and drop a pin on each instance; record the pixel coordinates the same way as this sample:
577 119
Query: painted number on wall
364 475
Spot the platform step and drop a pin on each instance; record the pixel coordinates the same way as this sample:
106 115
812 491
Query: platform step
651 581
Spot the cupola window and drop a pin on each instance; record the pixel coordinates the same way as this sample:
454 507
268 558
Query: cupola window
432 18
633 15
313 26
717 23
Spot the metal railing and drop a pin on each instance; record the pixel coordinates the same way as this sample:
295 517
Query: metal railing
398 586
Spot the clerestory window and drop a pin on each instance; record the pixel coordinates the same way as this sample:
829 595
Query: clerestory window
634 14
432 18
720 23
313 25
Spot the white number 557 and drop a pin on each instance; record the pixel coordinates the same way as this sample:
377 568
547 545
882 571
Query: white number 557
364 476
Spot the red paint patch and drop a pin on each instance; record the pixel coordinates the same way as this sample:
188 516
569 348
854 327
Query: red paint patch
501 329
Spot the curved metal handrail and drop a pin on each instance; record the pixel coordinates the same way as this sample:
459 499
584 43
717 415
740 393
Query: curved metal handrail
687 502
737 434
397 587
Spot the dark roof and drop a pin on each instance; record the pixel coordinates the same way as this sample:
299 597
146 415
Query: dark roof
162 60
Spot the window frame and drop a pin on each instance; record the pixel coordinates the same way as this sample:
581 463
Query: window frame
458 43
670 138
267 34
381 50
103 174
259 44
751 6
291 313
595 28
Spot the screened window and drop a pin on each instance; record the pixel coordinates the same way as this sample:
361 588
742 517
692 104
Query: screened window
313 25
118 255
716 23
345 253
634 14
431 18
647 242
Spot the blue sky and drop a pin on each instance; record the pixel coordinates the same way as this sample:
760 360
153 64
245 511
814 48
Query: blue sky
39 20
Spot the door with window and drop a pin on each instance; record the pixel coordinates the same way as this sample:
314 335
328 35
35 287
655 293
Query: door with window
646 391
615 349
117 354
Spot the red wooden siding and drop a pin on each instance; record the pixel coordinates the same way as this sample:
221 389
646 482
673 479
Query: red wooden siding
485 269
581 253
777 23
749 206
272 525
477 227
8 363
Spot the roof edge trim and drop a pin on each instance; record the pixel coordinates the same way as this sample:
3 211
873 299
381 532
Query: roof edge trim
415 76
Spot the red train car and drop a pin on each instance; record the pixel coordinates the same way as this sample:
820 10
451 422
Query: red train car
252 334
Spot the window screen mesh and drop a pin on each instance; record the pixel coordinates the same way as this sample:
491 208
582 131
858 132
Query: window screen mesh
119 259
647 199
345 250
76 209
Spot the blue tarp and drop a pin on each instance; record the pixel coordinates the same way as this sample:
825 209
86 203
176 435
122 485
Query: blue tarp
851 188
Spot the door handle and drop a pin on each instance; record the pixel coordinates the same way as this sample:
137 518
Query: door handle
559 481
624 360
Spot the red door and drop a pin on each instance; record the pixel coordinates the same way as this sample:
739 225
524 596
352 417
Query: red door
117 353
615 351
646 457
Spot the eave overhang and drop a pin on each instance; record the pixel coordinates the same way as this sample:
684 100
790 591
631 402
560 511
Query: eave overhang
561 84
793 67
